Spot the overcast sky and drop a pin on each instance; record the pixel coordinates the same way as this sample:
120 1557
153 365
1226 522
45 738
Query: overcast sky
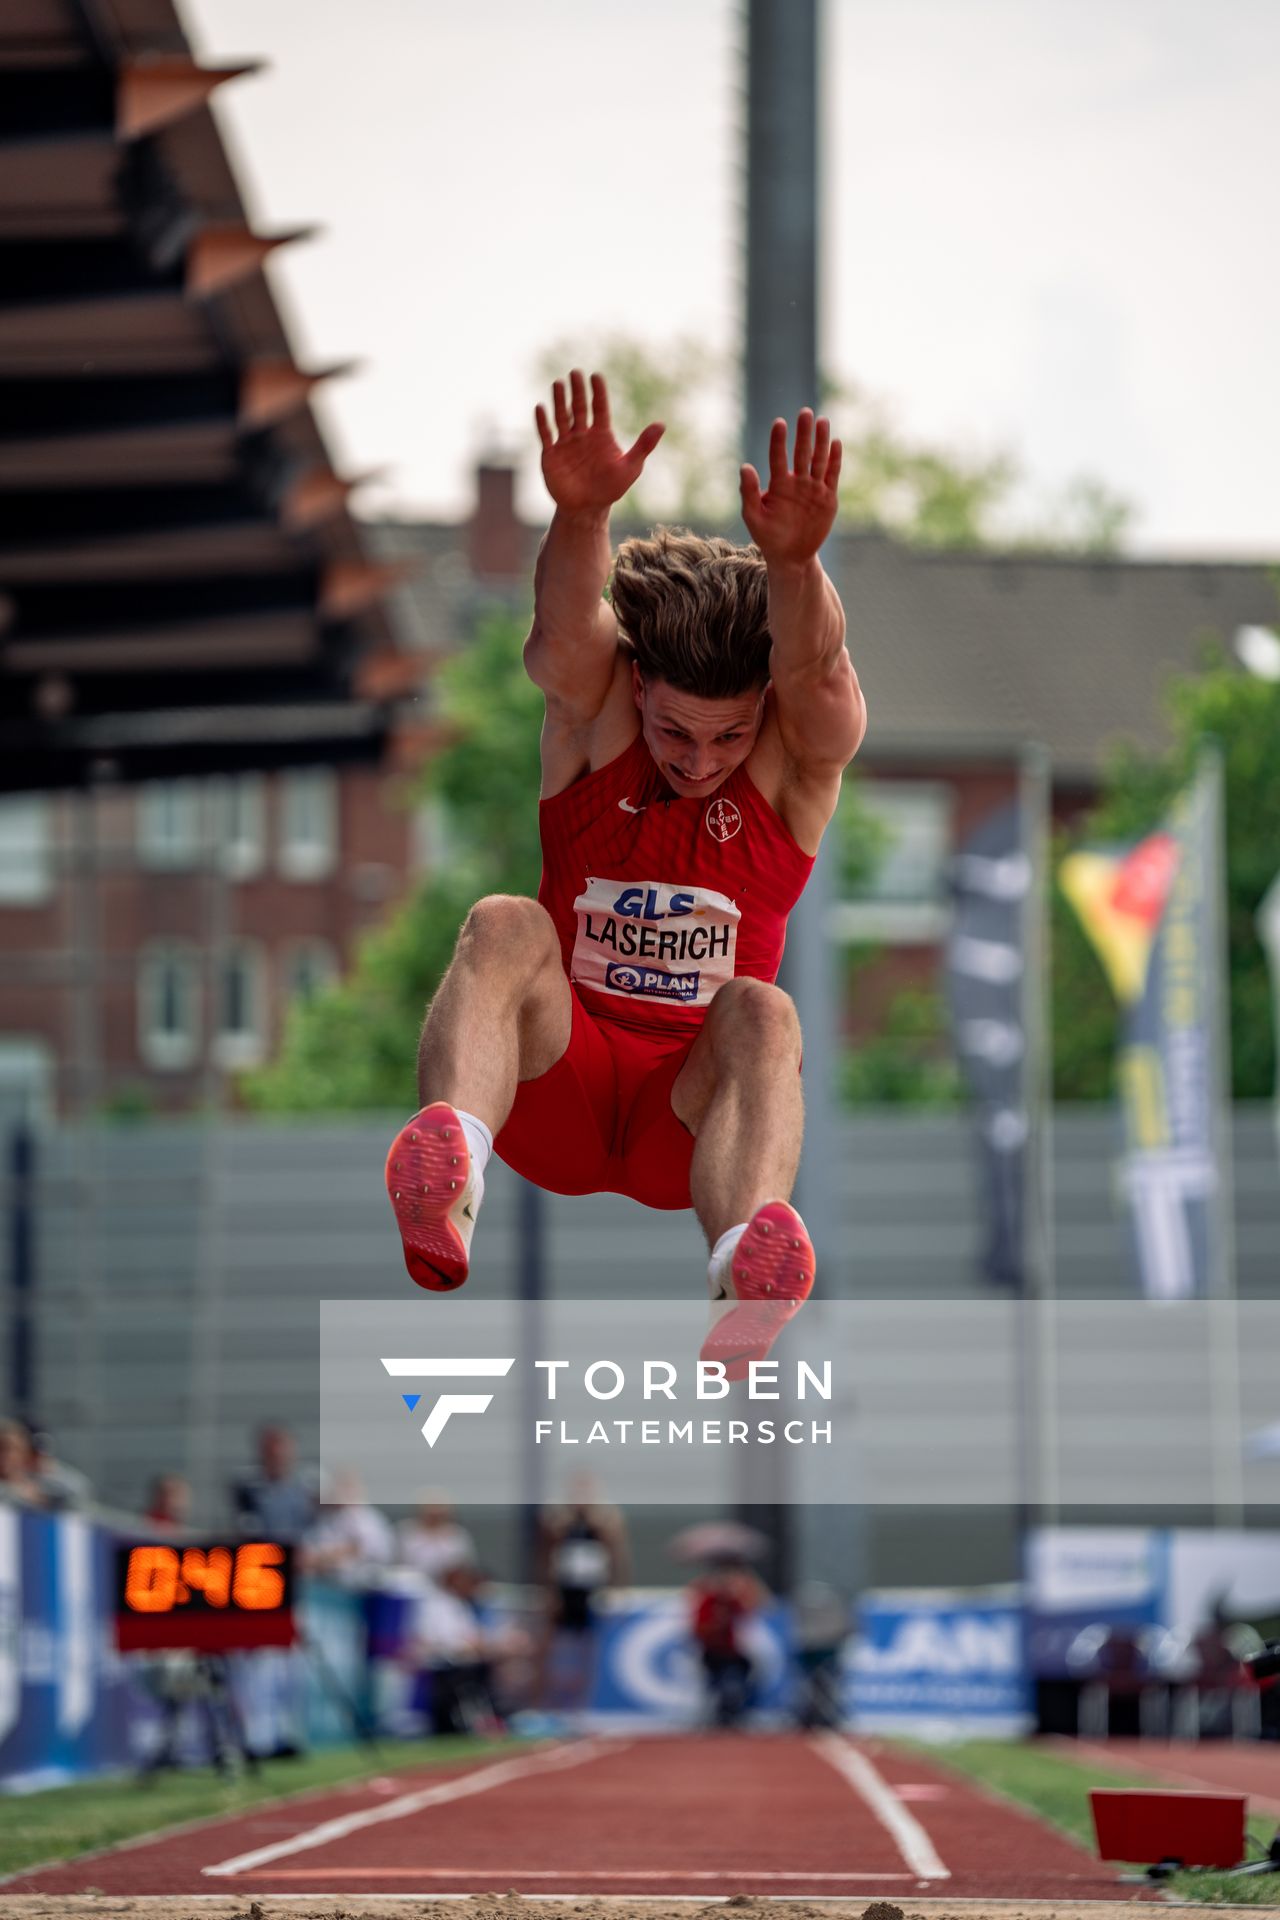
1049 224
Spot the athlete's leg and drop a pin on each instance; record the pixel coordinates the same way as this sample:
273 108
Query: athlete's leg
739 1095
502 1013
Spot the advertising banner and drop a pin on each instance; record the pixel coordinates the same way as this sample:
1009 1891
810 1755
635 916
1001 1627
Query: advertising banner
648 1666
940 1664
1268 925
986 962
1178 1579
62 1684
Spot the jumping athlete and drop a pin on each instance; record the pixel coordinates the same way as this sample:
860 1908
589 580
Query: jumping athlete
622 1032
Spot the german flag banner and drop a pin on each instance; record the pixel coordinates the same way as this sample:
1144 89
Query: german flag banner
1153 911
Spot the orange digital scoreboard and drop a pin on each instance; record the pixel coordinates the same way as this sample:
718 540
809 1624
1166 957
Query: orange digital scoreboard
221 1596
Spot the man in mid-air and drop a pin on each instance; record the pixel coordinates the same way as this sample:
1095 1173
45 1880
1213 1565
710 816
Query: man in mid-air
622 1032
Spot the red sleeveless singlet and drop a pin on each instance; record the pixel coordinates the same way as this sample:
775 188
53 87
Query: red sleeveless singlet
659 899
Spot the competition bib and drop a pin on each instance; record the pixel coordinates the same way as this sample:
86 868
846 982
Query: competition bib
645 940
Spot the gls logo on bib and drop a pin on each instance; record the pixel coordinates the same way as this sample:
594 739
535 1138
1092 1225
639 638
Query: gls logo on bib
646 940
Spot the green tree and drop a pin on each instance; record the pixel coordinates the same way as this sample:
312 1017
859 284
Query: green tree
693 479
919 492
1242 714
355 1044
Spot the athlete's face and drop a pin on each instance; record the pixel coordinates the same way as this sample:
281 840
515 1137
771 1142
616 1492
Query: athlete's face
696 743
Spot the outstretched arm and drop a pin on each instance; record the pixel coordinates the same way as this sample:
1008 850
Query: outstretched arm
821 713
571 652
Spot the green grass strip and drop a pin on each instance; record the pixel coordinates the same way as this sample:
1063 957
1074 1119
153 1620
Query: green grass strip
63 1821
1056 1786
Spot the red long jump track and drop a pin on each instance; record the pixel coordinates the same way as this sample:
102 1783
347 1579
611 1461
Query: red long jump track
1215 1766
693 1816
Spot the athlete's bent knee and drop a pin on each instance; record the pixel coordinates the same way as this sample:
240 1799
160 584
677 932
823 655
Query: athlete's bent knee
509 929
752 1014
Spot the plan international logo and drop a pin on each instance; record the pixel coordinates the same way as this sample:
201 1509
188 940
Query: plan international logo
605 1380
652 982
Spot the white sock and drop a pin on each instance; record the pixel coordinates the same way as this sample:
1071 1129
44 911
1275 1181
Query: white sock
479 1142
721 1261
479 1146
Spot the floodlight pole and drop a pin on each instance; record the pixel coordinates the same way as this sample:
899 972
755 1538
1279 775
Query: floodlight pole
780 376
781 367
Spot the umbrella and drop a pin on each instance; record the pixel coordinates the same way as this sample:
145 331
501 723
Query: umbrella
718 1540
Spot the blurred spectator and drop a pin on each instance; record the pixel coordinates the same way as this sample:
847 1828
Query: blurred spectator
457 1647
351 1539
722 1602
1226 1699
1121 1693
432 1542
169 1503
17 1482
277 1500
820 1628
60 1487
583 1552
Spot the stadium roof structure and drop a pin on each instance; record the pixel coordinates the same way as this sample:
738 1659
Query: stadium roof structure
182 586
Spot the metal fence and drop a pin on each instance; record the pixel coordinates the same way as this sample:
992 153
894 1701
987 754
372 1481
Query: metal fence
175 1268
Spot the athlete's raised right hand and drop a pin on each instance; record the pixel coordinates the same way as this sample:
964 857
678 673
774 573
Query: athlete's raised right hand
584 467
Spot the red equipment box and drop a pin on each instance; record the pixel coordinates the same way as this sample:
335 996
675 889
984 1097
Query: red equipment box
1195 1829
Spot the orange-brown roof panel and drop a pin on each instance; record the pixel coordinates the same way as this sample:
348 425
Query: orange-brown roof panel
172 530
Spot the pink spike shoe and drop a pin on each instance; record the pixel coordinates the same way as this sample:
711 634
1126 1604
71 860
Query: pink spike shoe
771 1276
431 1191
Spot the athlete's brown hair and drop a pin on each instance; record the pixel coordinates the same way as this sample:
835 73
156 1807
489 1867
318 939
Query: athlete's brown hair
694 612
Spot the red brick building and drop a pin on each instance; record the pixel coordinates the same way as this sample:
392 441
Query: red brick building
154 936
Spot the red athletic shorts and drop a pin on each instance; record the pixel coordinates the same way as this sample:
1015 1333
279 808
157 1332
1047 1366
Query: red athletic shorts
600 1120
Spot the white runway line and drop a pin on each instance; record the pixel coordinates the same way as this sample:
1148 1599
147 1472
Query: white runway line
583 1873
910 1838
482 1781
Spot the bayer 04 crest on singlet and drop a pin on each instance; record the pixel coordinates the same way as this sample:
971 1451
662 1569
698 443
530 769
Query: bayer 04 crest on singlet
648 940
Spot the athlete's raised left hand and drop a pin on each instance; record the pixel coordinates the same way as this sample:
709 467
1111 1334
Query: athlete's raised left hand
790 522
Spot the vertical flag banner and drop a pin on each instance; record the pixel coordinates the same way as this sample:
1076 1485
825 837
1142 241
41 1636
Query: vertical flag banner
990 877
1268 925
1152 912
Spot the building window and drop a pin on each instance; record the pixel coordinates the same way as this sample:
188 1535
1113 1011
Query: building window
915 821
901 893
169 823
26 861
309 967
169 1005
26 1083
241 1021
308 823
240 815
